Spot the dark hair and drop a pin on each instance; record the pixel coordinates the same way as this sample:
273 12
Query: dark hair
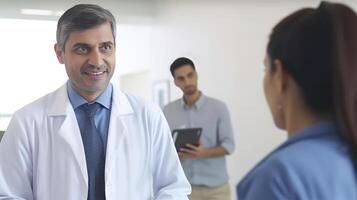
179 62
318 48
81 17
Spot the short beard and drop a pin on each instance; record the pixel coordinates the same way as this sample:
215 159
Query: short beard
190 92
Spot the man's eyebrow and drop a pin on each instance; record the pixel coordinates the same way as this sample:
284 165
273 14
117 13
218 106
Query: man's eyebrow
108 42
179 76
80 45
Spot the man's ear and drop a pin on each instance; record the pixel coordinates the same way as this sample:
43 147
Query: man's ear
59 53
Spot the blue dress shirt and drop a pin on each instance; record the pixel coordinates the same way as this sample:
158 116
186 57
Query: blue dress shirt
102 117
213 117
313 164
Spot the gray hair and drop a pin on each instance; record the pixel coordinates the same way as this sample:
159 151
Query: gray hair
81 17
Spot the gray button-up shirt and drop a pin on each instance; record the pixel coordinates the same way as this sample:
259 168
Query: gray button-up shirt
213 117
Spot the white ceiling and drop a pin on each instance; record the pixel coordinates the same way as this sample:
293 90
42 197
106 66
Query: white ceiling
126 10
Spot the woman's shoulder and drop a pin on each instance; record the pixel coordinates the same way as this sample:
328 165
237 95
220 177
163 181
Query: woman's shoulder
313 152
308 169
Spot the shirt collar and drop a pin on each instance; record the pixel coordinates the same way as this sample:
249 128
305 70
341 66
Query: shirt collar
311 131
197 105
105 98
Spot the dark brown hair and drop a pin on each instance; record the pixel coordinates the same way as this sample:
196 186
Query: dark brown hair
179 62
318 48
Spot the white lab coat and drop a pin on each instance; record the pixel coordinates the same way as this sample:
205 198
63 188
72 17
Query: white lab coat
42 155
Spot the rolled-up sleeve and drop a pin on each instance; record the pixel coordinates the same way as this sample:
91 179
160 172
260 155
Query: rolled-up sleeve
225 130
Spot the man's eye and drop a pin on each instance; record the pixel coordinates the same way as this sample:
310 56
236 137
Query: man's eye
107 47
81 50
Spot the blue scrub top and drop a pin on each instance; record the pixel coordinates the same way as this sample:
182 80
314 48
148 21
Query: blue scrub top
314 163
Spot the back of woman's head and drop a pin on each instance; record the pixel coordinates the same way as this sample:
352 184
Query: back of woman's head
318 48
302 42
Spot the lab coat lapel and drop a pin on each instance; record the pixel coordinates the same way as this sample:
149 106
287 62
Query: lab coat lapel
65 121
121 108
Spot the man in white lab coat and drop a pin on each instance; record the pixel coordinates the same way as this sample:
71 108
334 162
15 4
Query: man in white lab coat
60 148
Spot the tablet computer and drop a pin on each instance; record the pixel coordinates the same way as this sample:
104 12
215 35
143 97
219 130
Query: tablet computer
185 136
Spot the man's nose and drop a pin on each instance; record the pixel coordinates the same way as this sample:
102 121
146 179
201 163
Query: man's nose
95 58
187 81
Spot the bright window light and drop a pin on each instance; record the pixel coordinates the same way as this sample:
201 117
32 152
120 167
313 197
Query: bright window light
29 67
58 13
37 12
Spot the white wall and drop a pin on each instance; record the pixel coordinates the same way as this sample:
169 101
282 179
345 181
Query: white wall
134 48
137 83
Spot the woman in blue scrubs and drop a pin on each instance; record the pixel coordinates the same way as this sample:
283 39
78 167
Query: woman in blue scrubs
310 85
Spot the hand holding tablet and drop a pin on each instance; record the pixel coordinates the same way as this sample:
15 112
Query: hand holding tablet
182 137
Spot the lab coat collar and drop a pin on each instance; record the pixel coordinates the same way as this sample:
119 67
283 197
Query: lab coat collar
61 110
61 105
